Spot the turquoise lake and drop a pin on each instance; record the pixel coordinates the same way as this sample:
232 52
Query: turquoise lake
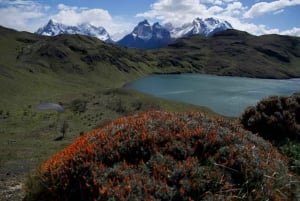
228 96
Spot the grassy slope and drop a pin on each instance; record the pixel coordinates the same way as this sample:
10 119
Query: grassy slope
35 69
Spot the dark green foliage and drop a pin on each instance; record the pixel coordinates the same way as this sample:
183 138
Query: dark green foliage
78 105
274 118
276 55
117 105
52 52
64 128
278 120
292 150
4 114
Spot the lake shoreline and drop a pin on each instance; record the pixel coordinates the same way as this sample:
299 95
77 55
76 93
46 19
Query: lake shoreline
228 75
228 96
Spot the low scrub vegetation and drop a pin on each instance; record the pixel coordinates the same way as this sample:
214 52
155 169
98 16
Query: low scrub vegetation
159 155
277 119
274 118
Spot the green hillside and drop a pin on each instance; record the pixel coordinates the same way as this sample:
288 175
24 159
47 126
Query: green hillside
33 66
235 53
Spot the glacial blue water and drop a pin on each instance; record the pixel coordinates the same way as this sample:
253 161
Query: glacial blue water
228 96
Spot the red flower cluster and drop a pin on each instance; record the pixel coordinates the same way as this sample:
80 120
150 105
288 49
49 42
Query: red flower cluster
159 155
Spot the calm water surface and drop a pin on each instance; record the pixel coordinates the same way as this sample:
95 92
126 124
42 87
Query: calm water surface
226 95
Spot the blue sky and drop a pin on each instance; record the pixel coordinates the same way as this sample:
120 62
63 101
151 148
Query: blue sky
119 17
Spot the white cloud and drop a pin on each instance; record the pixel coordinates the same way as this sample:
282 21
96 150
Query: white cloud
234 9
250 27
228 1
215 9
278 11
19 14
74 16
115 26
180 12
175 11
262 29
214 2
261 8
27 15
295 31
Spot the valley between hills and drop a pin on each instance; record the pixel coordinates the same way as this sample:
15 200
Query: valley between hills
86 76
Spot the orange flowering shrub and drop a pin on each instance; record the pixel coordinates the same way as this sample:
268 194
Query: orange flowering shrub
159 155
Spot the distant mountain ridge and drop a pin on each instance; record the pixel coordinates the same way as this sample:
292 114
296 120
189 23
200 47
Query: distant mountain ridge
144 35
53 28
205 27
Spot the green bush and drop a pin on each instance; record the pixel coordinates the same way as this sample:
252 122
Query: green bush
164 156
78 106
274 118
292 150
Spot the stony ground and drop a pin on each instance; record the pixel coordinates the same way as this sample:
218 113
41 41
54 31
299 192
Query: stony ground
11 186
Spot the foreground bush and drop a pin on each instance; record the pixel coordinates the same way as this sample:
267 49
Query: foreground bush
164 156
277 119
274 118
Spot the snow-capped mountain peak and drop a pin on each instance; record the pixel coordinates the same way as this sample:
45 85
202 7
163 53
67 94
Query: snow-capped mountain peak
145 35
143 30
53 28
205 27
160 32
98 32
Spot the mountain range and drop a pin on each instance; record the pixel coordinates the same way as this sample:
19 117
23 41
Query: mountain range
147 36
230 52
204 27
144 35
53 28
